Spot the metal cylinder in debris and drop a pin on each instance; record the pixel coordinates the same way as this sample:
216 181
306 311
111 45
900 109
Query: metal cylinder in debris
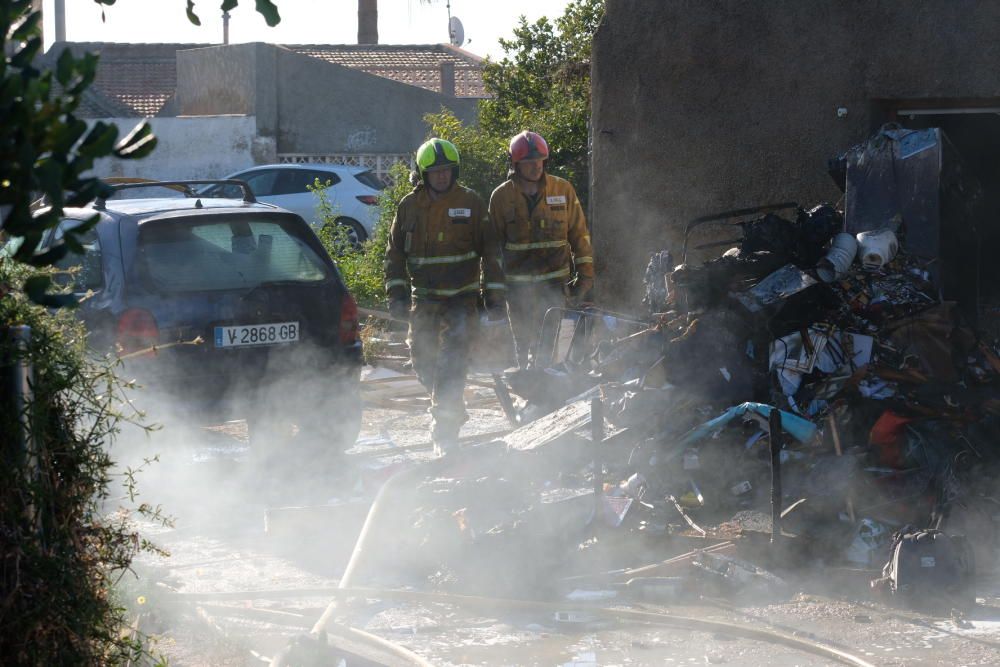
16 374
839 258
597 437
877 248
17 382
775 437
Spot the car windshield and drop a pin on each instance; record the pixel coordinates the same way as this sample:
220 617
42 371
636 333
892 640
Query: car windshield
182 256
370 179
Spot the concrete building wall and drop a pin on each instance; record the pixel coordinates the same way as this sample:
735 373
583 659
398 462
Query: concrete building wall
192 147
216 80
328 108
700 107
305 104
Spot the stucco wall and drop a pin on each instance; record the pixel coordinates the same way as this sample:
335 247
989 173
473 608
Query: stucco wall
192 147
703 106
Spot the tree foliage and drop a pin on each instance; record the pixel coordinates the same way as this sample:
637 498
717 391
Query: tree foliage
45 149
265 8
543 84
61 549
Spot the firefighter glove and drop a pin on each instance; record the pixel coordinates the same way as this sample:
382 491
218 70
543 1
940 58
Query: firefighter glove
582 291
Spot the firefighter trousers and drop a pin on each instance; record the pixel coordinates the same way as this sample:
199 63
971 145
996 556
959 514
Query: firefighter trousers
439 338
526 306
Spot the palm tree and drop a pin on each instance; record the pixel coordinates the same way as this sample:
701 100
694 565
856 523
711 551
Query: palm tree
368 20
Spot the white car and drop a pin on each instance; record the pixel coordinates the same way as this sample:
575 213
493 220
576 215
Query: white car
353 192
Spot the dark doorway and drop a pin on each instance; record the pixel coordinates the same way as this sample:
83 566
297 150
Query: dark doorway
975 134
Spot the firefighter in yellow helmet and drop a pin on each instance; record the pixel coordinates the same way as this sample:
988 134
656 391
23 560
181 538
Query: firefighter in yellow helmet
543 234
442 255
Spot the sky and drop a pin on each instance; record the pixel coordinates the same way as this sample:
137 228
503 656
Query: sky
302 21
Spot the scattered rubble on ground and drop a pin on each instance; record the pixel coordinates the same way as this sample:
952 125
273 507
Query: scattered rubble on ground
798 425
816 401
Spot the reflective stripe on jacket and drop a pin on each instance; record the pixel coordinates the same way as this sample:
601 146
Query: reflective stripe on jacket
442 248
537 245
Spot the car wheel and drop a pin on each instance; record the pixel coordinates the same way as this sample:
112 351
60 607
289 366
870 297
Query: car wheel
355 232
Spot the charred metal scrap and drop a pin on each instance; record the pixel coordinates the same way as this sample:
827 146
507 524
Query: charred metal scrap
822 393
866 332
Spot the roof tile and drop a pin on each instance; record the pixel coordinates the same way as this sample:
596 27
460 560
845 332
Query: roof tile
417 64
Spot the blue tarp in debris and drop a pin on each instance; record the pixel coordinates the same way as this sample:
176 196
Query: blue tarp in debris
801 429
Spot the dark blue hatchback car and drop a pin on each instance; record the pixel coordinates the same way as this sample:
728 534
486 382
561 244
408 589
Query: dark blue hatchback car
223 308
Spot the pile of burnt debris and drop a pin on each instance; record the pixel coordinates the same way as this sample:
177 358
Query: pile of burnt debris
824 394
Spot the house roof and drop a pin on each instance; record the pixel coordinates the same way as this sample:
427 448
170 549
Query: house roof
132 79
415 64
138 79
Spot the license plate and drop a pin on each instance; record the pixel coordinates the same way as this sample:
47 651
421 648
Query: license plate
247 335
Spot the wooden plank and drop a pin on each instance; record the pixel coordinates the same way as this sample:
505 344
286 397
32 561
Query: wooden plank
551 427
390 380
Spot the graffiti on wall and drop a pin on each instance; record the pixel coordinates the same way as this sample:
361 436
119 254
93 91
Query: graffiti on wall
361 139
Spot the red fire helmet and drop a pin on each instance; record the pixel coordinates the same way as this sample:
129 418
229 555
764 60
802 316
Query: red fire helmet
528 146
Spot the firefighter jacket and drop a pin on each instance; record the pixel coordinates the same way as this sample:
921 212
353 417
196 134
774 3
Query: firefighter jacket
537 242
443 248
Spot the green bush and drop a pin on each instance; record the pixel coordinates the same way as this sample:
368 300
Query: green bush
361 267
62 549
542 84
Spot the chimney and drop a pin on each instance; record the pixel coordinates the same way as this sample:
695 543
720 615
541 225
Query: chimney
448 79
367 21
60 20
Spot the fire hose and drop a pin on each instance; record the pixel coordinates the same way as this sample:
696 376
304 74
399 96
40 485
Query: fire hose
731 629
362 546
405 478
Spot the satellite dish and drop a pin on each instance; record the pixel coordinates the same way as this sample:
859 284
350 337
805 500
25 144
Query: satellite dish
456 31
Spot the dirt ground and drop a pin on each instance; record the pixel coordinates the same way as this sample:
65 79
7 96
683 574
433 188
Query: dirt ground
243 577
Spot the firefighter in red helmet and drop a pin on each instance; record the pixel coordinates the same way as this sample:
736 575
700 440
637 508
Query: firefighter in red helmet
543 234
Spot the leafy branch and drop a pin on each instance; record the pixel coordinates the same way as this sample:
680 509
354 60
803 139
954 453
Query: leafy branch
45 149
265 8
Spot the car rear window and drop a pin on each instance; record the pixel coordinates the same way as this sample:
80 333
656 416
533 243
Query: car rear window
370 179
180 256
298 181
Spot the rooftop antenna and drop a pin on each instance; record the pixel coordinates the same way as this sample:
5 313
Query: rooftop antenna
456 32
